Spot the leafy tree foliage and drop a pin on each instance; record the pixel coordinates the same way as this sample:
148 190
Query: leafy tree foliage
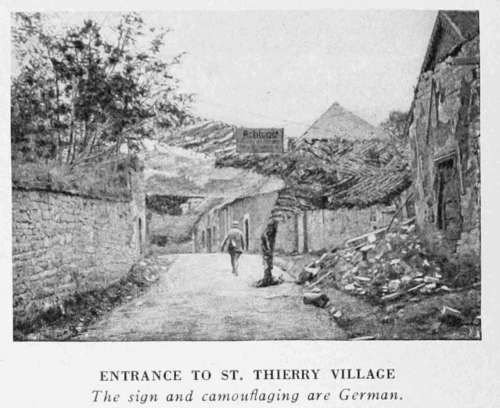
166 204
78 93
395 125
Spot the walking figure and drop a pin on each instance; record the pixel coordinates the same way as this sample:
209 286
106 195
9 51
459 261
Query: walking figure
235 243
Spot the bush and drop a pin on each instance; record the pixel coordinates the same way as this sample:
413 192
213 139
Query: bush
93 180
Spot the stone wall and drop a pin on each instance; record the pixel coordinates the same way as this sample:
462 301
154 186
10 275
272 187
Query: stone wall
309 231
65 243
287 236
328 228
444 137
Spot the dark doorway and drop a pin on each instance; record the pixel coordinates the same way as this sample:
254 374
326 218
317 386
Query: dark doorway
140 235
247 233
209 239
306 238
449 217
299 226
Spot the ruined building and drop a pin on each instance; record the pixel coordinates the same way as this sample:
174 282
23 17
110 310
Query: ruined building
444 135
354 187
358 178
341 179
179 177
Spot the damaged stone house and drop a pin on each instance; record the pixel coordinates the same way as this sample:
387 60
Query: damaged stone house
252 211
343 178
444 135
366 181
319 229
362 199
199 200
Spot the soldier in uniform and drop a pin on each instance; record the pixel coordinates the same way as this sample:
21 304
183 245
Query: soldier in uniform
235 244
268 239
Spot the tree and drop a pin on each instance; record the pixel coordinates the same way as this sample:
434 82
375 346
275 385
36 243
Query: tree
395 125
78 92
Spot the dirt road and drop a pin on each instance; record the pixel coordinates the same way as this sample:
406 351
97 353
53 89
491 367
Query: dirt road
199 299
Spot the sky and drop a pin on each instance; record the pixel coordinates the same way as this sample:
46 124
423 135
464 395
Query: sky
285 68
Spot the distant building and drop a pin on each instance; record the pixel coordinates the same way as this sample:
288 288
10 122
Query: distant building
322 229
367 202
341 179
185 188
444 134
252 214
339 123
299 231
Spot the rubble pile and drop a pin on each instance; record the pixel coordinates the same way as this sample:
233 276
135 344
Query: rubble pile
146 271
382 266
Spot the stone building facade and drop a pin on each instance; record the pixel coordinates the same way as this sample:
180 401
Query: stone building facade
444 136
307 231
252 214
65 243
318 230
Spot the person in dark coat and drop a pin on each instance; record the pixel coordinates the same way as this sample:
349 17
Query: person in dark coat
268 240
235 244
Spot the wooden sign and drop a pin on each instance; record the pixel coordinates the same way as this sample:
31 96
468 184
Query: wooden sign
259 140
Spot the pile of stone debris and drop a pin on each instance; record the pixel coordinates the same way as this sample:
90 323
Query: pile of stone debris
381 266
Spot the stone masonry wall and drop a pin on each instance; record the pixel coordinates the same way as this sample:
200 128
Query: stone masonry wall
63 244
328 228
287 236
446 127
324 228
257 209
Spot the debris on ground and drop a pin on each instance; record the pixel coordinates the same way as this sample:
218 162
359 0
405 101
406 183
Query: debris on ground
147 270
389 284
403 319
308 274
316 298
451 316
269 281
384 266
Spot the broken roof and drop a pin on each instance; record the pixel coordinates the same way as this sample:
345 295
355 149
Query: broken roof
332 173
320 173
451 29
338 122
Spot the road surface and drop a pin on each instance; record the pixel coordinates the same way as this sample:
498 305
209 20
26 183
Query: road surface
199 299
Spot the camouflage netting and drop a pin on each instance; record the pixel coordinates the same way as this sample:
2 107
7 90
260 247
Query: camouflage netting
318 174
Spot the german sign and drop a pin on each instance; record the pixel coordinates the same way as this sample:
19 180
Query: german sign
259 140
